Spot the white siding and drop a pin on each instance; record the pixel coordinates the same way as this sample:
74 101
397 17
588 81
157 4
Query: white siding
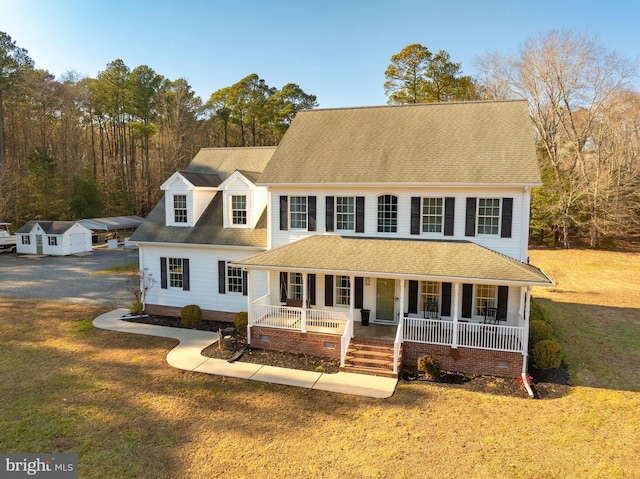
203 277
514 246
201 199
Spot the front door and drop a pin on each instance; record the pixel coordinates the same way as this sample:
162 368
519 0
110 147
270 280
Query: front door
385 300
38 244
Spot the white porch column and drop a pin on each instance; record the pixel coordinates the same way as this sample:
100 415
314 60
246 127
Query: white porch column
402 298
303 314
456 302
352 301
250 306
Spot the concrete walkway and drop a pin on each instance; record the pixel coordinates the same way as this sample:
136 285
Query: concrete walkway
187 355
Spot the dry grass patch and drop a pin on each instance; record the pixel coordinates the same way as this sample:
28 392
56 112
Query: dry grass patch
111 398
595 310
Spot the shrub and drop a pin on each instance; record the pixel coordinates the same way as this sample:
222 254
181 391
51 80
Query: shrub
240 321
537 312
191 315
430 365
539 331
136 307
547 354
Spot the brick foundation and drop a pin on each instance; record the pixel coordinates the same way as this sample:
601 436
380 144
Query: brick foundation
314 344
465 360
207 314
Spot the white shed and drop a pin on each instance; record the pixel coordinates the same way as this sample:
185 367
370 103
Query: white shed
53 238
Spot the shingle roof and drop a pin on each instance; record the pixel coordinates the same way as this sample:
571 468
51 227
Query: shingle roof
209 166
197 178
224 161
465 142
403 257
208 231
49 227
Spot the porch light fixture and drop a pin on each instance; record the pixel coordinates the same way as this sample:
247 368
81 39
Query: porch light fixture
367 281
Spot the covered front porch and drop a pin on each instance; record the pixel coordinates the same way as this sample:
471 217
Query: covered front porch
326 303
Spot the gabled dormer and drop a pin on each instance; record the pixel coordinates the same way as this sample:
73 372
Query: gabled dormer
243 201
187 195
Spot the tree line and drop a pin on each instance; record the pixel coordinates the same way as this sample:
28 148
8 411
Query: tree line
585 116
73 148
83 147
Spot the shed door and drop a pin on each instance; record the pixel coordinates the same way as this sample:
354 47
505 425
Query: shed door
38 244
77 243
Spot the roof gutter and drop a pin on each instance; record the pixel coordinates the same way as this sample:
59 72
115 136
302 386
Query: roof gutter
452 279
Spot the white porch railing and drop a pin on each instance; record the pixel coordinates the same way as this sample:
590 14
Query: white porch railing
470 335
345 339
286 317
397 343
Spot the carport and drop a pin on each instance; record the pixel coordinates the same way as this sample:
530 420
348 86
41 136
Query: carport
112 227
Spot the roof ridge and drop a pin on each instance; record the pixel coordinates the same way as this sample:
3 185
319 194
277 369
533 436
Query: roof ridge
416 105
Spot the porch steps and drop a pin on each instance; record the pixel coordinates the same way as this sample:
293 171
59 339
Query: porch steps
374 358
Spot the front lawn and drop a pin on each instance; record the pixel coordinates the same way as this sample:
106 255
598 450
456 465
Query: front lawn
112 398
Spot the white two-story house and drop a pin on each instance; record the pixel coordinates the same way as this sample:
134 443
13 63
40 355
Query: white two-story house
391 232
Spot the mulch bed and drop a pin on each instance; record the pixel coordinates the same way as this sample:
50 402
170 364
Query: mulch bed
550 384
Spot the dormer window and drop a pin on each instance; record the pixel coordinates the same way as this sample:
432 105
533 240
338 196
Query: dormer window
239 209
180 208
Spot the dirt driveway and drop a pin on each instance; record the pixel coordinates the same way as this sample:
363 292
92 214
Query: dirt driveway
69 278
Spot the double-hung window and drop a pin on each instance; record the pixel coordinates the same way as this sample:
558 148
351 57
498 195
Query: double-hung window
429 292
26 239
239 209
234 279
175 273
387 214
345 213
485 297
298 212
53 241
295 286
488 216
343 290
180 208
432 215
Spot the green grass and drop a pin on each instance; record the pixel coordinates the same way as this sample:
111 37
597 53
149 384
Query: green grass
127 268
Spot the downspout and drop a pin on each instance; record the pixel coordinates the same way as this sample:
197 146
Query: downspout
525 352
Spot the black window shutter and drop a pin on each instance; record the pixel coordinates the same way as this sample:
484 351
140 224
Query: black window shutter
445 309
507 214
185 275
358 292
222 277
503 297
415 217
245 281
311 208
284 212
470 218
311 288
329 215
467 300
163 273
413 296
359 214
328 290
449 215
284 286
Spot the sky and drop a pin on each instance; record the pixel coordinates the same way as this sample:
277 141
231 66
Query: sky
336 50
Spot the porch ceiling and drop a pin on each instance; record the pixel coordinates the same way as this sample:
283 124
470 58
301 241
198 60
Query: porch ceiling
397 257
